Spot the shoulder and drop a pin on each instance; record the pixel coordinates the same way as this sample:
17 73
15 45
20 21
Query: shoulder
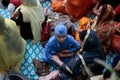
69 37
52 40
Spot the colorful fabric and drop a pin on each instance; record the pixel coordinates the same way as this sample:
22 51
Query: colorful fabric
12 46
109 59
5 13
32 51
81 26
16 2
79 8
104 26
106 14
58 6
46 4
35 20
60 29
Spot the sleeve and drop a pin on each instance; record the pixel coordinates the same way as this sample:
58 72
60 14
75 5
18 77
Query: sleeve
50 50
74 45
117 9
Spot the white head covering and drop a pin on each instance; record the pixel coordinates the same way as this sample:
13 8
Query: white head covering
11 7
33 13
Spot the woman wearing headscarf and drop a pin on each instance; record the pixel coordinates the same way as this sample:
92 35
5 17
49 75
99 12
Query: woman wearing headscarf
103 25
91 50
106 31
29 16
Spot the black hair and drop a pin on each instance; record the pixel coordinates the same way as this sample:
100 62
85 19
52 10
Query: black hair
5 2
82 35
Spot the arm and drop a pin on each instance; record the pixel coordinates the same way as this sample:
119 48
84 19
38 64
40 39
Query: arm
64 55
51 48
61 64
57 60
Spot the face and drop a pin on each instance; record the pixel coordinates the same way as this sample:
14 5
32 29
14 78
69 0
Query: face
99 11
61 38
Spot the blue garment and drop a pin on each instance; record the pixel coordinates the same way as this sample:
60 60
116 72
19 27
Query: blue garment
91 50
46 4
32 51
53 47
60 29
5 13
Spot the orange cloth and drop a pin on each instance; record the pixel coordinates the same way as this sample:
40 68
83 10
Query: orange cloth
79 8
81 26
58 6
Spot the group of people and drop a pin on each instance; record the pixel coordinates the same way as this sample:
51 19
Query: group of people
93 39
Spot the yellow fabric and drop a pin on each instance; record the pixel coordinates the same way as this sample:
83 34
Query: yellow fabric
81 26
12 46
35 16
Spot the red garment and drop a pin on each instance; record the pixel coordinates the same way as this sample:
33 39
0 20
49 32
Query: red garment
117 9
16 2
57 6
79 8
115 43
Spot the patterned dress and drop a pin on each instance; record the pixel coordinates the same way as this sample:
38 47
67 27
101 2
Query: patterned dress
32 51
5 13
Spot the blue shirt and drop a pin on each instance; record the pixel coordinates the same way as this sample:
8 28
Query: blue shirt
53 47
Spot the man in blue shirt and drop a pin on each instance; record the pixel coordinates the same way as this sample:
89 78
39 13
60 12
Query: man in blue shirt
60 44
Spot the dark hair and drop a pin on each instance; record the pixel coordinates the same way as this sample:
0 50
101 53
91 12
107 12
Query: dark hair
104 7
5 2
109 16
82 35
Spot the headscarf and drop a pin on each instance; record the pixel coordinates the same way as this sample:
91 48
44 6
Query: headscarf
60 29
81 26
12 46
92 43
33 13
105 27
106 13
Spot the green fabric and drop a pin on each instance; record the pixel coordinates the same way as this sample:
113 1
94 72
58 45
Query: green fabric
35 16
12 46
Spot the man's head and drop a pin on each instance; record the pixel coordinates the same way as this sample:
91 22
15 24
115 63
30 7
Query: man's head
60 32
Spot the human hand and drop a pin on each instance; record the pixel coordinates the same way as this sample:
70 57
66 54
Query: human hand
62 55
55 58
64 51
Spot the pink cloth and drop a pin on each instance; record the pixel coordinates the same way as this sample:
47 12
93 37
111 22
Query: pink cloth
16 2
50 76
117 9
